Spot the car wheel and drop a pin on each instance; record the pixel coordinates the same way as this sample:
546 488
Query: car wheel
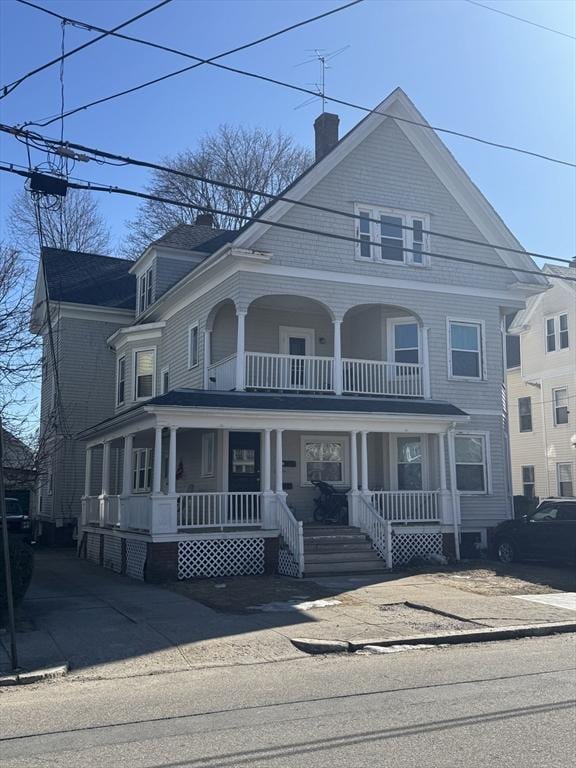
506 553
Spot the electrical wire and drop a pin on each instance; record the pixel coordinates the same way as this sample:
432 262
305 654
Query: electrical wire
44 122
88 186
125 160
520 18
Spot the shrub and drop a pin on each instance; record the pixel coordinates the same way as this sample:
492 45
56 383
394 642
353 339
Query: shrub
22 561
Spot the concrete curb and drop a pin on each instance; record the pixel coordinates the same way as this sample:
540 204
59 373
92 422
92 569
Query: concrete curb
34 676
488 634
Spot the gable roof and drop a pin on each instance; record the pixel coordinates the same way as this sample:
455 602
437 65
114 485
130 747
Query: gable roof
523 317
195 237
88 278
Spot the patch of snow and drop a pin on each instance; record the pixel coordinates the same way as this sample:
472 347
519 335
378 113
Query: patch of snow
294 606
396 648
557 599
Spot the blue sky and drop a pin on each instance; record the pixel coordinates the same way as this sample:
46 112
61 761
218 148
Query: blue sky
464 67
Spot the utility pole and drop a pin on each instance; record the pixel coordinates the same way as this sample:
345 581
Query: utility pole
7 564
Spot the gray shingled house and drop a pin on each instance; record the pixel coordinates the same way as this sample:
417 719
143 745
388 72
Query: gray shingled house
200 391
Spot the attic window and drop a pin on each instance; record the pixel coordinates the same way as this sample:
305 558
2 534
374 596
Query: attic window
145 290
391 236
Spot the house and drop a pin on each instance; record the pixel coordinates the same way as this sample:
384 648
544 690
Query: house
206 386
542 391
19 470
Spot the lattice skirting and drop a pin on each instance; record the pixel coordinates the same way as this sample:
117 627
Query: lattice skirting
93 547
287 566
406 546
136 558
112 557
220 557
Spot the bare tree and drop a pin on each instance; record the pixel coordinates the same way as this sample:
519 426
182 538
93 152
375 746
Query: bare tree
74 224
250 158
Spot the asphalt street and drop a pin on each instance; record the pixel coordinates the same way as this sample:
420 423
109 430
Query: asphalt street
496 704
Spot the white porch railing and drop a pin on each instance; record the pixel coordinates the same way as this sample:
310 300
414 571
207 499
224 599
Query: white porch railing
91 510
290 529
407 506
222 375
299 373
111 510
378 530
376 377
219 510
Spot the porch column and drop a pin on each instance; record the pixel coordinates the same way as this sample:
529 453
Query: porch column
337 322
454 491
105 468
157 471
364 459
127 465
172 461
88 472
425 364
442 461
240 336
279 488
266 469
207 356
354 461
268 499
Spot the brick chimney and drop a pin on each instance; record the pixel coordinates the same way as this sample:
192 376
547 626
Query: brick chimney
326 132
205 220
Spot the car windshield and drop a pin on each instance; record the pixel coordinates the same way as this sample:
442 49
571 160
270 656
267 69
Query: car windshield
13 507
545 513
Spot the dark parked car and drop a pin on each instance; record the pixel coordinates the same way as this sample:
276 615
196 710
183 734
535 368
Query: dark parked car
548 533
17 521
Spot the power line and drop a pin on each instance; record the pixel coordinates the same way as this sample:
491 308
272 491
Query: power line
125 160
43 123
7 89
88 186
520 18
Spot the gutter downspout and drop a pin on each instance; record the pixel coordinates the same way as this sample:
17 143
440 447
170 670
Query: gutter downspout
453 490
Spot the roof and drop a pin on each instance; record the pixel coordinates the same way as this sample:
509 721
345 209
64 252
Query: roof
522 317
88 278
16 454
552 269
195 237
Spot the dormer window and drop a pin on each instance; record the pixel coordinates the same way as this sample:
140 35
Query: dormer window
391 236
145 290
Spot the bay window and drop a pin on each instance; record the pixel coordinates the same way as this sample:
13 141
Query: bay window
121 380
144 372
471 465
387 235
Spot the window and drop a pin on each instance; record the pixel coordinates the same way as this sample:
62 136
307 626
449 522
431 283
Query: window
208 446
323 458
561 411
409 463
142 469
391 236
121 381
165 380
564 475
465 342
144 363
243 461
470 463
406 343
557 336
525 414
193 346
528 482
145 290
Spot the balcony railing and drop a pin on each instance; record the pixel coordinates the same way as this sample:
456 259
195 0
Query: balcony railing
289 372
375 377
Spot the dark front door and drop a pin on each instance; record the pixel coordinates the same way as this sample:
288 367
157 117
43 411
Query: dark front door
244 461
297 347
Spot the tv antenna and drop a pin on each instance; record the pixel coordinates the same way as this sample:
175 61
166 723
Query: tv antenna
320 55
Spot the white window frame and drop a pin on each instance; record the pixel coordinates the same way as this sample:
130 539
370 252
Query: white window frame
165 371
487 463
342 439
191 363
520 415
145 290
558 482
374 213
525 482
139 454
482 348
557 333
208 463
555 407
121 359
392 322
393 454
135 352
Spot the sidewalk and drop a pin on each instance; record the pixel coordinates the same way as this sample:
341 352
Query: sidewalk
109 626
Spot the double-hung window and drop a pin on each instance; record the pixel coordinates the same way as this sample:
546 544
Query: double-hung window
208 454
391 236
565 482
471 465
142 469
406 342
323 459
121 380
528 482
145 290
465 349
525 414
193 346
560 406
144 372
409 463
557 335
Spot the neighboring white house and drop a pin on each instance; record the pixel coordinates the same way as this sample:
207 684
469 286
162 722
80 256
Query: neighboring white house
542 391
215 378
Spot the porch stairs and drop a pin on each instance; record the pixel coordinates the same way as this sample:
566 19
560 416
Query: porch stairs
338 549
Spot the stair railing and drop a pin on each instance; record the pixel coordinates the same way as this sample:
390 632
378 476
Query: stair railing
291 531
378 530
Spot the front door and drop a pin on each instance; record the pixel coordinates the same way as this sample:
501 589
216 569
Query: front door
244 462
299 343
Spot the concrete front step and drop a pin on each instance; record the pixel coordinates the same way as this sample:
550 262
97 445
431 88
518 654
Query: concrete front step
311 569
330 546
329 530
337 549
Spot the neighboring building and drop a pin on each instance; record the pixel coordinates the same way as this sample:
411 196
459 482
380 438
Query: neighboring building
215 378
19 470
542 391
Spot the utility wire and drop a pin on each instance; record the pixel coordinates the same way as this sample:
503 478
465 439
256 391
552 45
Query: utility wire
7 89
88 186
44 122
520 18
125 160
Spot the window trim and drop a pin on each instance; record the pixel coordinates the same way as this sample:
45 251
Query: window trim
165 370
208 460
482 349
135 352
557 333
121 359
558 482
525 483
393 459
487 463
192 365
374 212
147 452
520 415
145 289
391 323
343 439
555 407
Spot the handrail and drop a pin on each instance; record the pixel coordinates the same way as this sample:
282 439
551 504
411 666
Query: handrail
291 531
378 530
